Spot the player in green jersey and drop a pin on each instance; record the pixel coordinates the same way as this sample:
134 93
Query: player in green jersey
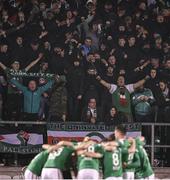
120 134
58 160
112 161
130 159
145 170
34 169
132 163
126 147
88 161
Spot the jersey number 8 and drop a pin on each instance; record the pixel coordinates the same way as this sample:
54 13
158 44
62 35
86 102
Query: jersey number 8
115 158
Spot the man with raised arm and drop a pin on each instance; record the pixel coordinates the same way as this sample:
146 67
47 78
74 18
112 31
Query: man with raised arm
32 96
16 65
121 93
13 94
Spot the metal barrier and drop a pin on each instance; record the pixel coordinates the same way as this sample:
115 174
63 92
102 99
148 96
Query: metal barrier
152 125
152 145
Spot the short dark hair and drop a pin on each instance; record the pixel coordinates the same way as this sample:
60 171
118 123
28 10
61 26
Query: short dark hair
88 38
35 80
163 80
153 69
121 128
111 137
91 99
131 36
120 75
112 106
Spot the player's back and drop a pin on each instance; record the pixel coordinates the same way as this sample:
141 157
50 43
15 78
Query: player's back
38 162
145 170
112 161
89 162
60 158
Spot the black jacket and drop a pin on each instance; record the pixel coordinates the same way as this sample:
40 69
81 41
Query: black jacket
75 81
87 115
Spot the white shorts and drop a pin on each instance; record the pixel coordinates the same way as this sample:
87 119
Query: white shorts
151 177
114 178
88 174
51 173
129 175
28 175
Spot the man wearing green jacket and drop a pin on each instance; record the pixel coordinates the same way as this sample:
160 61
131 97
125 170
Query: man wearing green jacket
142 101
32 96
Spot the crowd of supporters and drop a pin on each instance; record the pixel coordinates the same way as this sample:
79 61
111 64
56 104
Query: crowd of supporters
104 61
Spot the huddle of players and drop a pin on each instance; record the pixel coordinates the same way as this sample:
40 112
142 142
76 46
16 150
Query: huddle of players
120 158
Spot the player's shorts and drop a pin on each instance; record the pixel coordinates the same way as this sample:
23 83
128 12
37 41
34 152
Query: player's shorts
151 177
51 173
28 175
88 174
129 175
114 178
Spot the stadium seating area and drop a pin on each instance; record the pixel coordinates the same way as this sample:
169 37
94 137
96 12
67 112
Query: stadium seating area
83 42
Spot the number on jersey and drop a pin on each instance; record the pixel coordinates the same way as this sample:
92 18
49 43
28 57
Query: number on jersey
54 154
130 158
116 160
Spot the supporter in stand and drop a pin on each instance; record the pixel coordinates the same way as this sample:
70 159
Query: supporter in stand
32 96
166 70
13 94
58 101
164 101
19 50
75 86
121 94
142 101
114 117
91 113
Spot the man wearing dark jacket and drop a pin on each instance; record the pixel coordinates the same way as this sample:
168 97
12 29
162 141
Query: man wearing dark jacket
58 101
164 102
165 73
75 86
58 61
91 113
19 51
